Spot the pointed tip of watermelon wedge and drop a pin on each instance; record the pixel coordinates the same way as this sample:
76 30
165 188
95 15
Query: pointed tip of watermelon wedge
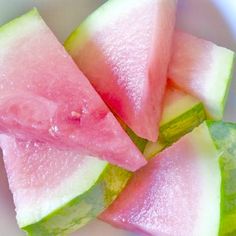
181 114
39 86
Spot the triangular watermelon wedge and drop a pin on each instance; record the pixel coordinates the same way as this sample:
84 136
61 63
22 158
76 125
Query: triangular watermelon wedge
124 50
81 187
44 97
55 191
202 69
176 193
189 187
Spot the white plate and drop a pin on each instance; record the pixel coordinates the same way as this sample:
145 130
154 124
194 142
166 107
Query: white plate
211 19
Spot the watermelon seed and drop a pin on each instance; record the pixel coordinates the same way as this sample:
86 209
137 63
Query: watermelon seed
75 115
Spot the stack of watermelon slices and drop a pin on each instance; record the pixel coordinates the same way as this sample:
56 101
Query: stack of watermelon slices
64 146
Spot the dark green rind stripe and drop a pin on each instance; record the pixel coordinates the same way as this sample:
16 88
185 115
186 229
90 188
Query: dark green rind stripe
183 124
231 233
175 129
224 136
178 127
139 142
83 208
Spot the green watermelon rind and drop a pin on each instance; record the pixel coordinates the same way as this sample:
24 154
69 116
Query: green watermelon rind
54 223
171 131
87 206
228 80
13 24
215 108
68 44
111 180
218 75
139 142
83 208
224 137
208 168
92 22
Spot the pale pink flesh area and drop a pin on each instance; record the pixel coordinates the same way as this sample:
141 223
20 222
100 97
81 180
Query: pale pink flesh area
189 58
37 165
192 68
45 97
42 178
132 54
163 197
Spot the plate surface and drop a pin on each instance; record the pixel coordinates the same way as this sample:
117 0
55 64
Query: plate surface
214 20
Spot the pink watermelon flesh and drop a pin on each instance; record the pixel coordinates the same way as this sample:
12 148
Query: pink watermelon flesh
202 69
32 164
131 42
43 179
169 196
44 96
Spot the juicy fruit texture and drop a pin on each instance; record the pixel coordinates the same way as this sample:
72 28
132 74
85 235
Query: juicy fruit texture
202 69
224 136
44 97
176 193
181 114
131 41
36 167
55 191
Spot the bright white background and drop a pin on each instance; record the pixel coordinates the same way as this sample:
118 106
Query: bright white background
211 19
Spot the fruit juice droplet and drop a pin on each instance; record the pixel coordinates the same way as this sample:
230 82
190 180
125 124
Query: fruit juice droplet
54 130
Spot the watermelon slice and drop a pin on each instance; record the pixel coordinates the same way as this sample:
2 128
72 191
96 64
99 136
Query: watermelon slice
44 97
124 49
80 187
56 192
176 193
224 136
181 114
202 69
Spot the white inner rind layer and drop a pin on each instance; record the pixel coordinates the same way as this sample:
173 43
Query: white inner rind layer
32 205
204 70
110 11
29 21
208 221
176 103
217 84
100 19
95 22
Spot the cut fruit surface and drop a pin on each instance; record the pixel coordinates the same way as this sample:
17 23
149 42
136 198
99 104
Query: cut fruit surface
124 49
176 193
181 114
45 97
203 70
56 192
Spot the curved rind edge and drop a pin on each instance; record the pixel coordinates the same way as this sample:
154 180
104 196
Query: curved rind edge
224 137
83 208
